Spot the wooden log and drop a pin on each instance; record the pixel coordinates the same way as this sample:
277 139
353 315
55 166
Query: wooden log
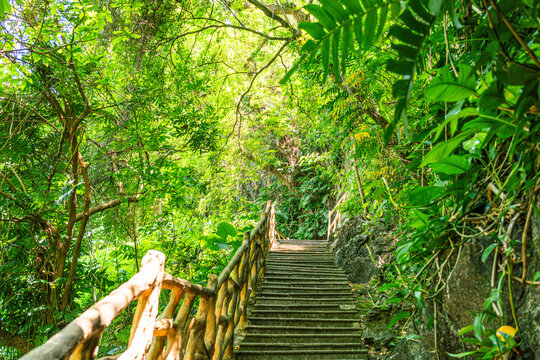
242 270
162 328
224 275
227 341
142 329
94 320
220 299
181 286
223 322
176 340
88 349
210 331
158 343
195 345
244 292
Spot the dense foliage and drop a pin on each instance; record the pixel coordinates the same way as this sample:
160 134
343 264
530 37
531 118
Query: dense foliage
162 124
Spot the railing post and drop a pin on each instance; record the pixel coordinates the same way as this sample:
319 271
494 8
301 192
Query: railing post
142 328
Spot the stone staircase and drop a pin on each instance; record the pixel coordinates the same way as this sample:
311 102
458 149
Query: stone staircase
304 308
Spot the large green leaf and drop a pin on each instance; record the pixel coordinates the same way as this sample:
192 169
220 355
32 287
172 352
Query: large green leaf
445 86
224 229
452 165
425 195
444 149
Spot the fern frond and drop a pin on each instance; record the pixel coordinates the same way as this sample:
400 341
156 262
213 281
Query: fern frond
414 27
333 31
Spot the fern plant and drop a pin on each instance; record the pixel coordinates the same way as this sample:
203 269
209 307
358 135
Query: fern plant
336 23
332 33
413 28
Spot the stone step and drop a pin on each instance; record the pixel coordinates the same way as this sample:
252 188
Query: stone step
333 284
265 296
302 337
304 293
312 277
285 252
304 321
299 355
314 354
275 286
300 260
295 329
307 345
313 314
306 306
315 270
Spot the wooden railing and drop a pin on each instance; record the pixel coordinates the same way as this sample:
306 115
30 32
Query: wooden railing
334 217
176 333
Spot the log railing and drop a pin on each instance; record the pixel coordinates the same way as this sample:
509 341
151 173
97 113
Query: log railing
334 217
176 333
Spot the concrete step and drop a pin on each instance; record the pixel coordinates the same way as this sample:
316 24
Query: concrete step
304 321
312 314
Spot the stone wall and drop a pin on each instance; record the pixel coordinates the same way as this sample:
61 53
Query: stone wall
365 250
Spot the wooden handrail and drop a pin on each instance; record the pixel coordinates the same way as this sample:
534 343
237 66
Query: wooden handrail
336 221
174 334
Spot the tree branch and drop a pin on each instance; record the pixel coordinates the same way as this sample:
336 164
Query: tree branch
272 15
108 205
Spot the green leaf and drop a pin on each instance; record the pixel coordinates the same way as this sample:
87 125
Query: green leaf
371 26
345 44
478 326
397 317
408 19
334 8
321 15
383 13
445 87
405 35
463 354
465 330
444 149
488 251
5 7
224 229
358 31
424 195
452 165
435 6
335 54
405 51
421 11
325 56
315 30
401 67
